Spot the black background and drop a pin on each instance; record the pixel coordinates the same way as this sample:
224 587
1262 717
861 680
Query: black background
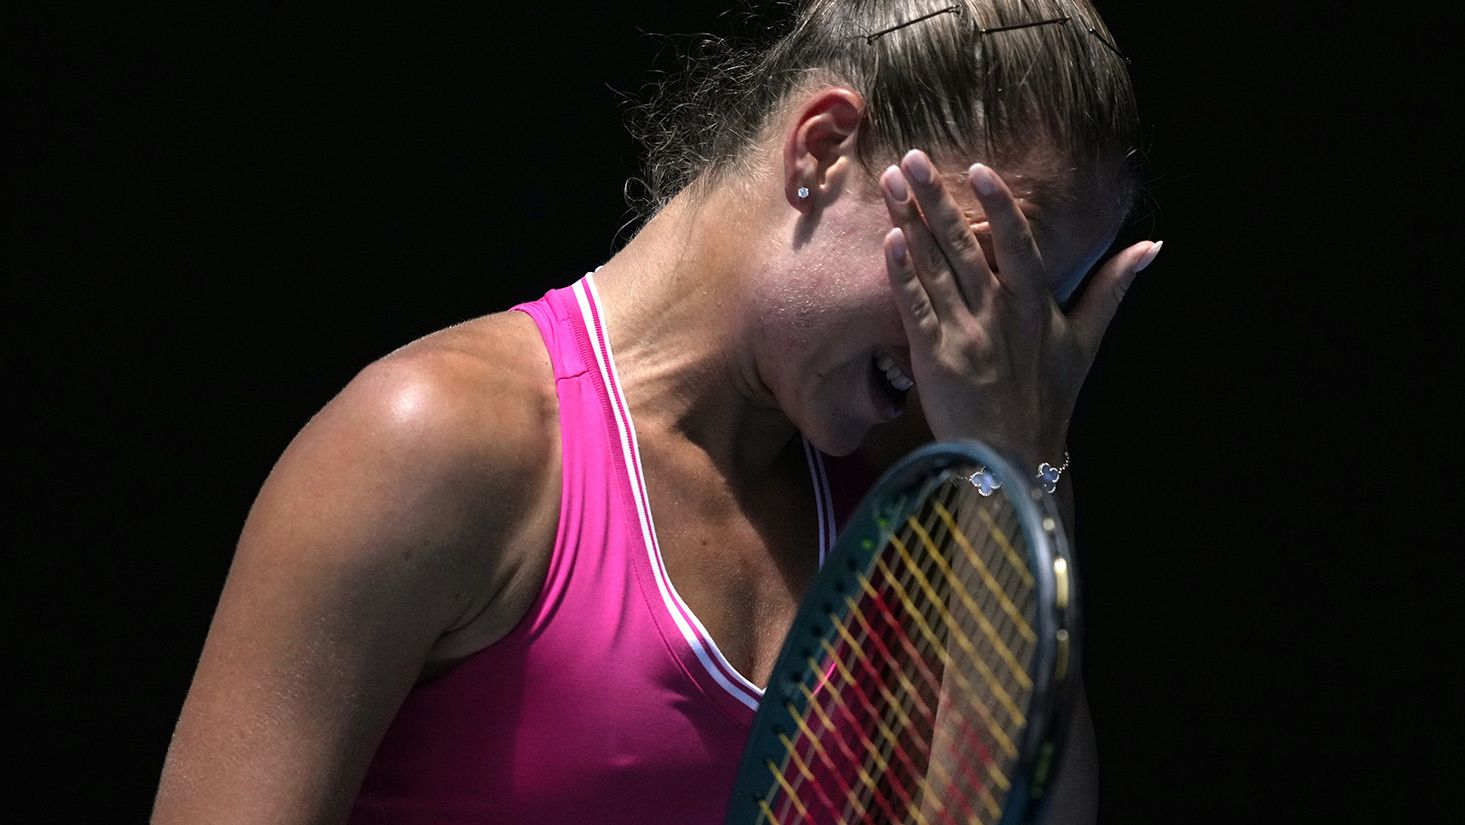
222 212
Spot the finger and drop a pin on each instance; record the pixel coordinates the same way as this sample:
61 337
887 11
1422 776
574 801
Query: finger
1090 319
1019 265
949 228
916 312
929 264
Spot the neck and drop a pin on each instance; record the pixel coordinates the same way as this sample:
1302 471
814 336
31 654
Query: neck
678 315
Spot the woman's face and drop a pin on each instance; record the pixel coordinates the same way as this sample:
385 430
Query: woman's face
830 330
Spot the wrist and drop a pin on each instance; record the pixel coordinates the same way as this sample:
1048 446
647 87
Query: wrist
1045 474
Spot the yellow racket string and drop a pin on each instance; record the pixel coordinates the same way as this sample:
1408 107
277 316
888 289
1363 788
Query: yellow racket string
934 600
948 576
889 696
885 731
805 774
946 660
865 777
837 736
945 777
818 745
892 702
986 626
828 726
987 578
906 601
789 794
933 540
1002 541
869 747
970 692
906 685
894 706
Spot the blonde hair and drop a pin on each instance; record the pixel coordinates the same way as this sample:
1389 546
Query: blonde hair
1054 100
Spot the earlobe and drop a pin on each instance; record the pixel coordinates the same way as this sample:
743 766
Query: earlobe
799 194
800 177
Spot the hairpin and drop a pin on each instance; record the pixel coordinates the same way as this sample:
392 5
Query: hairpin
952 9
981 31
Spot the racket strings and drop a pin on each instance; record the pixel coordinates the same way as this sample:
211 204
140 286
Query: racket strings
953 631
889 756
937 635
845 710
925 672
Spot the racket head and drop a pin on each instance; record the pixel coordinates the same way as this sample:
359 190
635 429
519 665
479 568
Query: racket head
883 705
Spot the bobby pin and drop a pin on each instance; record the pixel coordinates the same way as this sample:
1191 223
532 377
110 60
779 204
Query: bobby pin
956 9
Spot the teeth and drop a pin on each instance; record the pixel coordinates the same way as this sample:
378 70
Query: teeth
897 379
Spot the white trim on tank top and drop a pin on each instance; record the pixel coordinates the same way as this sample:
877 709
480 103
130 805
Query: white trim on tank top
693 631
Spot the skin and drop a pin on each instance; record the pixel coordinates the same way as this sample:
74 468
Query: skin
739 319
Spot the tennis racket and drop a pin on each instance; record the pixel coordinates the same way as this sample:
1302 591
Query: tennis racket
926 676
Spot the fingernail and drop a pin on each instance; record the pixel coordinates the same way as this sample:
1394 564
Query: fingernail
896 239
919 166
983 179
895 185
1149 256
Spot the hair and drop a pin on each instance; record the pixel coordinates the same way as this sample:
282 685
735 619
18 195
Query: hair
1054 101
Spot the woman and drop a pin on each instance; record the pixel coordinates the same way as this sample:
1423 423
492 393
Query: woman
452 602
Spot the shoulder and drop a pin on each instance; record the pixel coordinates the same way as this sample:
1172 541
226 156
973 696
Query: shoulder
444 452
474 401
402 528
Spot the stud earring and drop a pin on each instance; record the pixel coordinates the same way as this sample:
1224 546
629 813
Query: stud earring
803 193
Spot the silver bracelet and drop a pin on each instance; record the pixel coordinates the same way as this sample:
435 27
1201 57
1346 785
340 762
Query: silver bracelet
1048 476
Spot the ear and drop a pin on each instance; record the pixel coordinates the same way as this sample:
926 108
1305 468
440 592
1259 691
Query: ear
819 147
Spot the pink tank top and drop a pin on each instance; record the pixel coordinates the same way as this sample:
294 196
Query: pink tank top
609 702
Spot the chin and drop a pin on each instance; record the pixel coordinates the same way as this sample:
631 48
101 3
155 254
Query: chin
837 451
837 440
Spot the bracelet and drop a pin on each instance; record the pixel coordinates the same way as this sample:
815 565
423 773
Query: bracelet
1048 476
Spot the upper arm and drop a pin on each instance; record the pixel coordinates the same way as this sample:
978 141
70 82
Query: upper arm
365 546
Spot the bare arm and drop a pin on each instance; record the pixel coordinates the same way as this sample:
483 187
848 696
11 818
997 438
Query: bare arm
364 549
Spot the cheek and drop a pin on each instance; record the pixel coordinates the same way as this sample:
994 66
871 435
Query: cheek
796 320
841 300
845 289
866 304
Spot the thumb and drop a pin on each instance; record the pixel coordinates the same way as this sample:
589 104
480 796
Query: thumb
1101 300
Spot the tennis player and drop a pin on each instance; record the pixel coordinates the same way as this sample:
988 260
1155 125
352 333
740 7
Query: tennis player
534 568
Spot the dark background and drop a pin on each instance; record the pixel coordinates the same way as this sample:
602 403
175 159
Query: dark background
221 213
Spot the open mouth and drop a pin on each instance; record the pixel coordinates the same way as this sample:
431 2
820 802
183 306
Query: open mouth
890 371
893 383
